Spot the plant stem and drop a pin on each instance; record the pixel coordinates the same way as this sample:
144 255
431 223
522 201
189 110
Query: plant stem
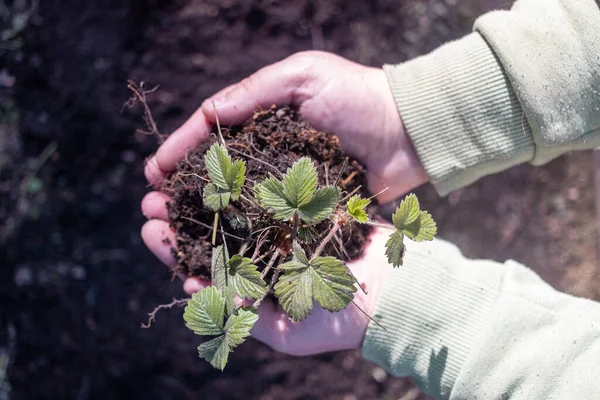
295 227
215 228
210 227
380 225
336 227
350 194
271 263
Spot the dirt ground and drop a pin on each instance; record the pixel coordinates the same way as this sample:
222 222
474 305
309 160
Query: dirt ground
76 280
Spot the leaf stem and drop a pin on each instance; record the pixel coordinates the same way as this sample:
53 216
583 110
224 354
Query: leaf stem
336 227
271 263
215 228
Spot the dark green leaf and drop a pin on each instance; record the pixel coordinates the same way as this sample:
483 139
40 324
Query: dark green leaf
300 183
218 165
215 351
221 279
394 248
245 278
321 206
270 195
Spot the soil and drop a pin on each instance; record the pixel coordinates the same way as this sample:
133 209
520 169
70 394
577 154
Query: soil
76 280
269 143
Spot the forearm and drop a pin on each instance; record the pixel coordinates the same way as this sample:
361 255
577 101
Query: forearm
524 87
479 329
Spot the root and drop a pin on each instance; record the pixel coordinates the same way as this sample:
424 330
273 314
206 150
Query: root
139 95
152 315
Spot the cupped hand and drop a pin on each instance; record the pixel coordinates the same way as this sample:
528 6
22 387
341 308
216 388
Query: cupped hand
334 95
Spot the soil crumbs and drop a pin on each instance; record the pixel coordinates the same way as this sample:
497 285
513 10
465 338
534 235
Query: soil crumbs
269 143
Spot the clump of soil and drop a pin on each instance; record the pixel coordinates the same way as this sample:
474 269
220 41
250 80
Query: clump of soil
269 142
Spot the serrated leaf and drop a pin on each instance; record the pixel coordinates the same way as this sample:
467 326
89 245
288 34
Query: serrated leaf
326 279
204 312
394 248
270 195
297 194
228 177
236 220
238 326
334 289
321 206
221 279
245 278
300 182
407 212
237 329
307 234
215 351
218 165
237 178
422 229
214 197
300 254
357 208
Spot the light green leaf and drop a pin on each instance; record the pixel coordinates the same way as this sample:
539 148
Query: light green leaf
357 208
270 195
221 279
218 164
227 176
407 213
321 206
237 329
422 229
326 279
204 312
236 178
394 248
214 197
215 351
300 183
245 278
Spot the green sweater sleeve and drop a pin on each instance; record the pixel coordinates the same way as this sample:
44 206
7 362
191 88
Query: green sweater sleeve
524 87
466 329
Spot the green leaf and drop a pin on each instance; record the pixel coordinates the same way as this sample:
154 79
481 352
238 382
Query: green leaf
227 176
326 279
394 248
300 254
300 183
218 164
422 229
357 208
237 329
270 195
204 312
297 194
238 326
214 197
407 213
245 278
215 351
307 234
321 206
221 279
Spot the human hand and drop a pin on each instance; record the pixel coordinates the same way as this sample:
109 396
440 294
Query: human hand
334 95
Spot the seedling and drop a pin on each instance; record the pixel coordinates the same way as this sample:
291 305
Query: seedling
303 218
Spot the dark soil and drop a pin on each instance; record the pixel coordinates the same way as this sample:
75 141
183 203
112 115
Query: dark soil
76 281
269 143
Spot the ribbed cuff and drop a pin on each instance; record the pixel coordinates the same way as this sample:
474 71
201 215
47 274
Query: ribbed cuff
461 113
433 308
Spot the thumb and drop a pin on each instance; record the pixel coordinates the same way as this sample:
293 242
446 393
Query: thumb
284 83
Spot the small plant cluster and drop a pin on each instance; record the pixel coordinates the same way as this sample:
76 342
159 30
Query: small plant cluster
296 274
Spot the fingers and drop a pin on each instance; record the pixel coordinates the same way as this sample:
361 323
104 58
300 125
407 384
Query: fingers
159 238
154 206
193 285
283 83
193 131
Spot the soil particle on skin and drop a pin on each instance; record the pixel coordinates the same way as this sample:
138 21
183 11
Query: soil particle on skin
269 142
